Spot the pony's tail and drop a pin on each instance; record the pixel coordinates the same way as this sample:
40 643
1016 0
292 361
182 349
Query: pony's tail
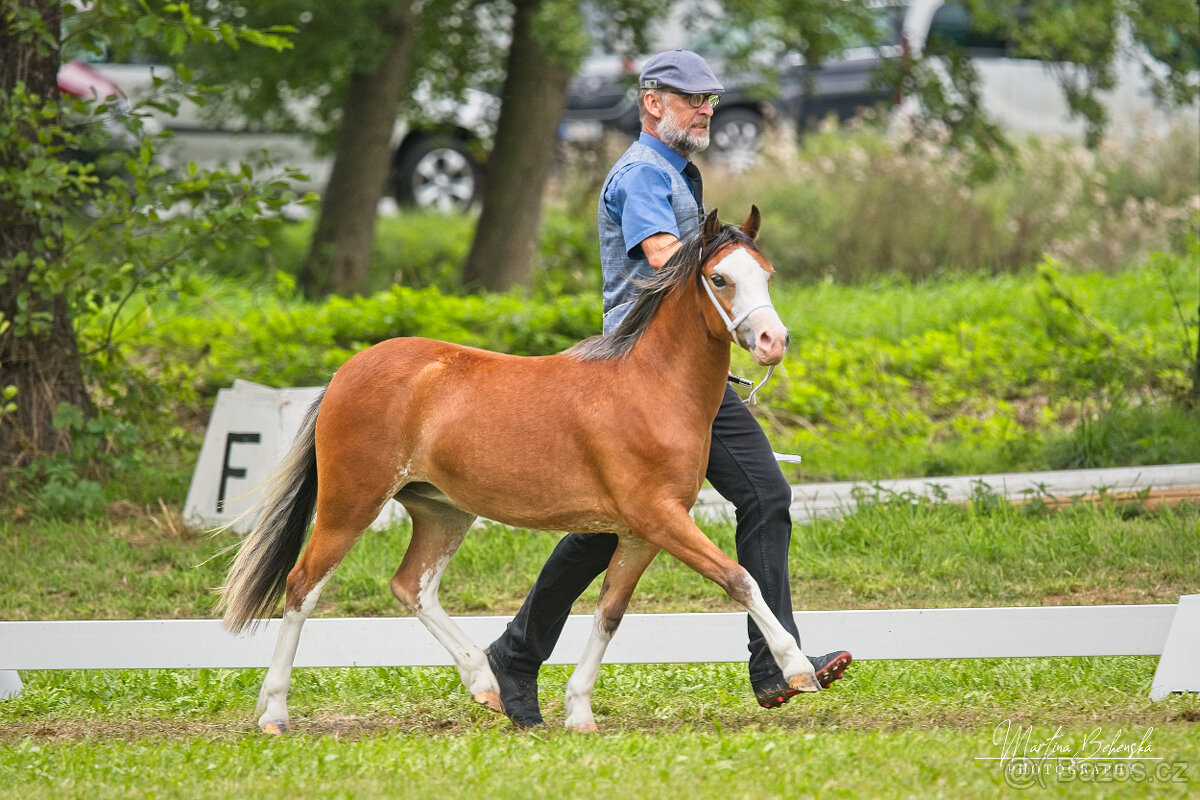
258 576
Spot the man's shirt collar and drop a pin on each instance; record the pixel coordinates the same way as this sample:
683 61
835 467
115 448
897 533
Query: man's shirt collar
673 158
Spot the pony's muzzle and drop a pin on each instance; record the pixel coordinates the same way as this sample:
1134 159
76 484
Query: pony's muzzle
769 338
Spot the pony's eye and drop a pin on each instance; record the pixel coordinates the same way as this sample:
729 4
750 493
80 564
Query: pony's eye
718 281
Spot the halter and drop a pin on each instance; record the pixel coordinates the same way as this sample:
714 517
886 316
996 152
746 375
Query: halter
732 324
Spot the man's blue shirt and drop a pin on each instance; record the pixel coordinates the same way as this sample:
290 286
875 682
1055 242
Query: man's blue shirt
638 198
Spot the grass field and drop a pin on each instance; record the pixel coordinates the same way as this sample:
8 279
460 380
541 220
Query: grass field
889 729
895 553
885 381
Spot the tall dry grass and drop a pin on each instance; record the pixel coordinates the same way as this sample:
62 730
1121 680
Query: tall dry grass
854 202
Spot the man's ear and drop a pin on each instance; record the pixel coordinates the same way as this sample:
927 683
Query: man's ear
753 222
654 104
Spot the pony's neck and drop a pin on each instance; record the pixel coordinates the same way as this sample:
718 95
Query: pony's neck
678 347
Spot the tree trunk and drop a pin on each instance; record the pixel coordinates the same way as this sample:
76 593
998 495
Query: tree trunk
340 255
42 362
535 93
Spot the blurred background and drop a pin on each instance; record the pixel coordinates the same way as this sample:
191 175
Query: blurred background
984 213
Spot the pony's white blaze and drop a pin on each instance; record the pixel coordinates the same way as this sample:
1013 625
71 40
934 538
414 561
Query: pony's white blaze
758 326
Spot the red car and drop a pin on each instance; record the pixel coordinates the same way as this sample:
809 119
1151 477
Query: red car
84 82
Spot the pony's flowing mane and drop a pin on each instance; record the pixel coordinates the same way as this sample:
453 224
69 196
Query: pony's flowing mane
684 265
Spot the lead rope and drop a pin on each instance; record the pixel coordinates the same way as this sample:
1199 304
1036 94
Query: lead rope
752 399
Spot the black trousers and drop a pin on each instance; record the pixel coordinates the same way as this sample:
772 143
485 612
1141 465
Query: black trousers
742 468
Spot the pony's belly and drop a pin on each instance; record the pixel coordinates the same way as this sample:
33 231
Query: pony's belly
515 510
538 518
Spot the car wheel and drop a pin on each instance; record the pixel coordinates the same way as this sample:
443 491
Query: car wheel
735 137
437 174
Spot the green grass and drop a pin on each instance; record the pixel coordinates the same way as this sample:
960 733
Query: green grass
889 729
895 552
942 374
954 374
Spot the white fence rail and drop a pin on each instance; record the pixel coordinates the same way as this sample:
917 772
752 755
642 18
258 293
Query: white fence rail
643 638
812 500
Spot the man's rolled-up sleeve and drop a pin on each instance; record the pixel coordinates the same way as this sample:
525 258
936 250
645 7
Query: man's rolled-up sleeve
639 200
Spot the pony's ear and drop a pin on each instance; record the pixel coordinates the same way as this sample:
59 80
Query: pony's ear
712 228
753 222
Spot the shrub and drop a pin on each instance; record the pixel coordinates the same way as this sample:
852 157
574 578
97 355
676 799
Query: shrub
962 374
228 331
855 203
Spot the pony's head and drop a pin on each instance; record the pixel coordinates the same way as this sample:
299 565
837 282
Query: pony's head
736 277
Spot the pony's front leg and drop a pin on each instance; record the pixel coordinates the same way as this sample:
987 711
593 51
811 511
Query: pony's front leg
797 670
682 539
630 560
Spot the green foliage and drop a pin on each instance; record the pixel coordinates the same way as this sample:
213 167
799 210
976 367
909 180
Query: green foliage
895 550
953 375
456 44
813 28
955 371
69 484
959 375
117 224
569 259
8 392
283 340
422 250
101 223
170 26
418 250
1126 433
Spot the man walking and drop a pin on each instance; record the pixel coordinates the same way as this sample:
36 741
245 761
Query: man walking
651 199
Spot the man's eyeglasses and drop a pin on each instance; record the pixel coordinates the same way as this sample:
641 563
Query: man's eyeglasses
697 100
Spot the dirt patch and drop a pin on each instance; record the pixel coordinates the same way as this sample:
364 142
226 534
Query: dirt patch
353 727
146 526
1114 595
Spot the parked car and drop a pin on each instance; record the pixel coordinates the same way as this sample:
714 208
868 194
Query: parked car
436 165
81 81
777 84
1024 95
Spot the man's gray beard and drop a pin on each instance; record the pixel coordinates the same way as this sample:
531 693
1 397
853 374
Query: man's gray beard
679 139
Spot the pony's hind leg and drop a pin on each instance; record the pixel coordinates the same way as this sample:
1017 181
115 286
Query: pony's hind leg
326 548
438 530
630 560
272 697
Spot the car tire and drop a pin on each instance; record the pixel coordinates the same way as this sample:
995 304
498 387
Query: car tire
735 137
437 173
